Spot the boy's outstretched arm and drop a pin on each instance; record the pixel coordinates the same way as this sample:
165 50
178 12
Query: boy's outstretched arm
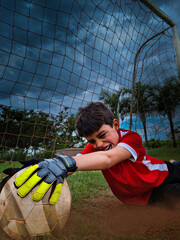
54 170
102 159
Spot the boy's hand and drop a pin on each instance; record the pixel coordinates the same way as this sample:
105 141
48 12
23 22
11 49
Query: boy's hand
48 172
11 171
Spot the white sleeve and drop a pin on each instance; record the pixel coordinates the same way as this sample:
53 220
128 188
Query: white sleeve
78 154
130 149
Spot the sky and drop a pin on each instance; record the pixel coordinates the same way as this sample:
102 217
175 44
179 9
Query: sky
56 54
171 8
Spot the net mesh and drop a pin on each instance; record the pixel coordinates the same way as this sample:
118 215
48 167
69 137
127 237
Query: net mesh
59 55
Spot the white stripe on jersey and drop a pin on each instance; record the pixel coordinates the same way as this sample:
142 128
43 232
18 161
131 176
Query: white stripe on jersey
78 154
130 149
123 133
161 167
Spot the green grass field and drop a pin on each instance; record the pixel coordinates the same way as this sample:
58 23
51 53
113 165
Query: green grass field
165 153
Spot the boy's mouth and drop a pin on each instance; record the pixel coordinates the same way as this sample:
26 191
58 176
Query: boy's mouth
108 147
105 148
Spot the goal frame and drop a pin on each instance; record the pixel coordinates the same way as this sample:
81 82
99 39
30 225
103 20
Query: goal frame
170 22
176 41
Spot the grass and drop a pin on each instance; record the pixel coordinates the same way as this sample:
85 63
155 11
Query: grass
86 184
165 153
8 165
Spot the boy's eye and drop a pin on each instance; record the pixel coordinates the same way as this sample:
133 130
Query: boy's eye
103 135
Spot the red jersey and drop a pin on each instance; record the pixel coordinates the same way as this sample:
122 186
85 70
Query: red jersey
133 180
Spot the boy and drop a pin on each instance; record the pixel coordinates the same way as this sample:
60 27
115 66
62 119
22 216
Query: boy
134 177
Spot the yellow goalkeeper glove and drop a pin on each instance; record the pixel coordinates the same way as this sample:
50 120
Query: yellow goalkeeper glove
47 172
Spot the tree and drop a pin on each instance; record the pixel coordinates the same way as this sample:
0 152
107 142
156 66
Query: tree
166 99
22 128
111 100
67 137
6 128
120 103
142 104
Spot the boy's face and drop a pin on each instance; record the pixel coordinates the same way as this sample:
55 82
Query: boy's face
106 138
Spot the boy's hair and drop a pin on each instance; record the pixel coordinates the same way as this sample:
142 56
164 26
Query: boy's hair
90 118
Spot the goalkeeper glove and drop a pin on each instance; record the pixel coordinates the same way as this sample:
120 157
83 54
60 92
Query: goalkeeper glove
49 172
11 171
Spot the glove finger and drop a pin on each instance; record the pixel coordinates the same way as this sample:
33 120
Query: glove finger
43 172
28 186
50 178
25 175
40 191
55 195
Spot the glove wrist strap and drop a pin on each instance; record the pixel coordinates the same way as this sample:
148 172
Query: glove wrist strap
68 161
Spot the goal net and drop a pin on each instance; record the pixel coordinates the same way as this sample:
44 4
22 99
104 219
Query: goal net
59 55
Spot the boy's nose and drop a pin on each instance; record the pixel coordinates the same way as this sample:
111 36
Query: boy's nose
99 143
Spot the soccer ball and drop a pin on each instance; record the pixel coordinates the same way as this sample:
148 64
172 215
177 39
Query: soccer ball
22 218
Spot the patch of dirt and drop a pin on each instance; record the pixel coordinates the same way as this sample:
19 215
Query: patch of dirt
107 218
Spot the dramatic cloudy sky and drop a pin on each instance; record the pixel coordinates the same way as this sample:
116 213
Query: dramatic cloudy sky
171 8
58 53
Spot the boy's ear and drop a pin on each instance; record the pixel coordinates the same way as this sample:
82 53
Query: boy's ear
115 123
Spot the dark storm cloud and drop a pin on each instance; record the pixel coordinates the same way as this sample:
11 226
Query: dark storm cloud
66 52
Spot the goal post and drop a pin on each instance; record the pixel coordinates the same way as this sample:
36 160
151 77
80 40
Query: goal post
171 23
176 41
177 47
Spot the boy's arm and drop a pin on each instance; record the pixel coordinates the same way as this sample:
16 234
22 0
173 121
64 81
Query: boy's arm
102 159
55 170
